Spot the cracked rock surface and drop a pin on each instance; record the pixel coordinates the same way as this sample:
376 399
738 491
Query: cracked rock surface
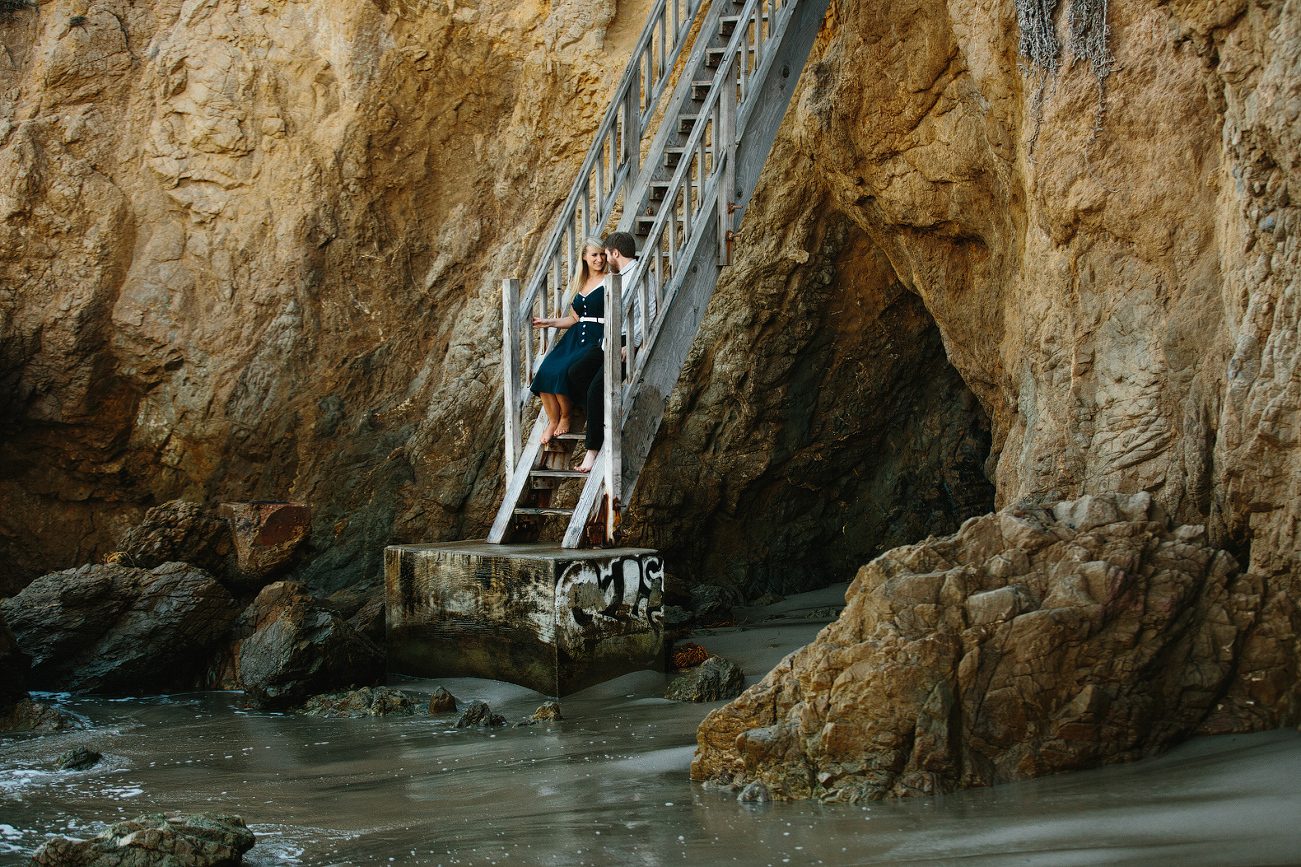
1033 641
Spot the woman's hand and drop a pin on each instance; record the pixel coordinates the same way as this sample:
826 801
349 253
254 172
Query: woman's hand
539 322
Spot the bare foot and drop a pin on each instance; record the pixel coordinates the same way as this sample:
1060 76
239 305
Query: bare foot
549 432
589 461
562 426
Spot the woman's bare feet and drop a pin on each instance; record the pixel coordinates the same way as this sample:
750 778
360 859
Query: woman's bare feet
562 426
589 461
551 406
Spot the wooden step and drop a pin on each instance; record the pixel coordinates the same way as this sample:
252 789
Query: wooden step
642 225
660 189
673 156
545 512
545 473
686 123
714 57
700 90
727 23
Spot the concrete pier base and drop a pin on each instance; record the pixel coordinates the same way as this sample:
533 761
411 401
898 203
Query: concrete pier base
549 618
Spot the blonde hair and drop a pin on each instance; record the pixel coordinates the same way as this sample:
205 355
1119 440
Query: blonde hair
582 273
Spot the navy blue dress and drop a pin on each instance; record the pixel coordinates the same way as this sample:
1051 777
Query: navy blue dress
582 336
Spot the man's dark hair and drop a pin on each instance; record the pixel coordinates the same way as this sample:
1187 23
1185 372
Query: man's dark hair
625 243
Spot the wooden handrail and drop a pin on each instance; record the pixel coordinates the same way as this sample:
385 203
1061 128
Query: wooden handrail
697 199
709 150
611 161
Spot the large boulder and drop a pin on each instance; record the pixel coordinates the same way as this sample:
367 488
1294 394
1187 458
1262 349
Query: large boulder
268 537
14 663
178 531
291 645
153 840
715 679
379 701
1030 642
116 629
28 715
18 713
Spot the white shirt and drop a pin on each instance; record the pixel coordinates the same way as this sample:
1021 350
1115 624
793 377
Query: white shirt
628 276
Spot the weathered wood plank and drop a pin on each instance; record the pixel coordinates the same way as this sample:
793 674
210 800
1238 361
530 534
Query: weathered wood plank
613 420
510 371
519 481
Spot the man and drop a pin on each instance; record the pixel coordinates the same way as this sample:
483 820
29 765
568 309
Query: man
585 373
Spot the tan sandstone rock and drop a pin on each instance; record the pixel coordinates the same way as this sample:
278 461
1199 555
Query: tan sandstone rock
253 252
1032 641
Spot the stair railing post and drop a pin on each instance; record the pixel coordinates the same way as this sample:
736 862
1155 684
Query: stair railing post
613 420
510 341
726 138
632 128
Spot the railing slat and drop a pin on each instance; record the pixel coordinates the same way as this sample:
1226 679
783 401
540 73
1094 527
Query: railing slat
702 186
509 370
613 420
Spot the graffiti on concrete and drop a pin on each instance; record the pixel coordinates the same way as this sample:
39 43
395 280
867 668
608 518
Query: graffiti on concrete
601 591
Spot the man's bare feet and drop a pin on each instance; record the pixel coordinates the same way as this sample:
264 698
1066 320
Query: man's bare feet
562 426
589 461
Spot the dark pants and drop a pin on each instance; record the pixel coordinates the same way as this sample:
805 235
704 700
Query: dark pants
586 380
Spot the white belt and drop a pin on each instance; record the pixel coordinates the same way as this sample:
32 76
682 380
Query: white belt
598 320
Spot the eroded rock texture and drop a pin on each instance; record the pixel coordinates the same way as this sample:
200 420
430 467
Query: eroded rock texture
1121 299
114 629
200 840
1032 641
288 646
253 252
178 531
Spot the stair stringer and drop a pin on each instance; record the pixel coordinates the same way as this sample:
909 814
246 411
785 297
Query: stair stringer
660 366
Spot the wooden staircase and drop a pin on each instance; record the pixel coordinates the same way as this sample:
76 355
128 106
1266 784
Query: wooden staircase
683 204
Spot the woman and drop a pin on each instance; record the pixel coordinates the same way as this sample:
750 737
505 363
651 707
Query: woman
588 307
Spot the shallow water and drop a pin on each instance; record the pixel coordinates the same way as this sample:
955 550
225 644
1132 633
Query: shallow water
609 786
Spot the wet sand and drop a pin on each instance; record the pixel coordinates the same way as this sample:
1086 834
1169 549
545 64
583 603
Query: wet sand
609 786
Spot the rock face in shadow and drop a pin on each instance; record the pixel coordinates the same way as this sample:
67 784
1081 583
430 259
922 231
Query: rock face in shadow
18 713
1119 290
14 663
289 646
114 629
1032 641
817 421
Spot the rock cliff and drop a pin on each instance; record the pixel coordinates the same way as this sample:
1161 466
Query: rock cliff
250 251
1114 273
